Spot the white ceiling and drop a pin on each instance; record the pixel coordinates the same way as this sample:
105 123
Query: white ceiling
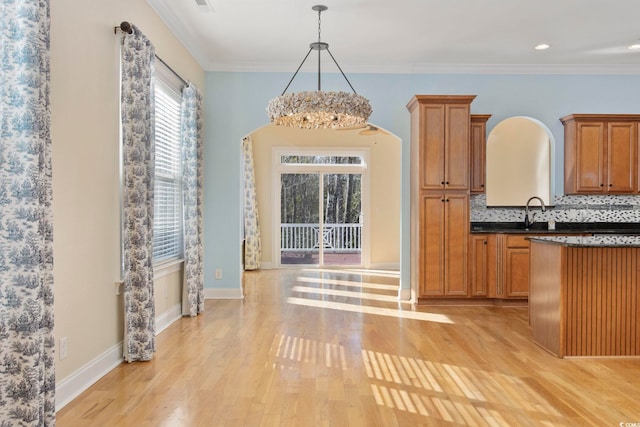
409 36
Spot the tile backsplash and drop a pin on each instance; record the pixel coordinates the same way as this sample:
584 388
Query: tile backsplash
564 209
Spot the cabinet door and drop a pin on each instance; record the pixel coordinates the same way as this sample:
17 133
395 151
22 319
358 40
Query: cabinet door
478 158
478 269
456 244
590 154
516 267
483 265
621 157
517 272
432 245
432 147
457 147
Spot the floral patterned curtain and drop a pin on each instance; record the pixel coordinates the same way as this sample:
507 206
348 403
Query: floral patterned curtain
193 283
252 241
137 106
27 344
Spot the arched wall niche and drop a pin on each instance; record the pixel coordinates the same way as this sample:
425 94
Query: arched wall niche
519 162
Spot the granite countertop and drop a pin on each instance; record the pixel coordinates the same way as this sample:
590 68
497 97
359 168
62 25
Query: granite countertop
631 228
598 241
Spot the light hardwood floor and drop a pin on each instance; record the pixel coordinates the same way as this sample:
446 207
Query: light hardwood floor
335 348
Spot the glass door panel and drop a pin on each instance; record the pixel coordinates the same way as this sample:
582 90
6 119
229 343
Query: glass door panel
342 219
299 218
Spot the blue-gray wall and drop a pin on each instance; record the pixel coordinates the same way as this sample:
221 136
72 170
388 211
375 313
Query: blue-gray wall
236 102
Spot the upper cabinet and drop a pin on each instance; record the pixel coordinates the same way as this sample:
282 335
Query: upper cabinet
478 151
443 150
600 153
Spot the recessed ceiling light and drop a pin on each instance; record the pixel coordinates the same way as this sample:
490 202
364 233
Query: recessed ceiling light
542 46
634 46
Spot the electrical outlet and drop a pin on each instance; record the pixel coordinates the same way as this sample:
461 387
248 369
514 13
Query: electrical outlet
64 350
119 284
218 273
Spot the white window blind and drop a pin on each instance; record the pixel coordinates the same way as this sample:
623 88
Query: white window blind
167 220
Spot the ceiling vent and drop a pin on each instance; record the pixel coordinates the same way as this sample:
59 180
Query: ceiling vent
205 3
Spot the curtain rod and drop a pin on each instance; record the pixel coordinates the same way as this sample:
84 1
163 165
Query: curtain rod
126 27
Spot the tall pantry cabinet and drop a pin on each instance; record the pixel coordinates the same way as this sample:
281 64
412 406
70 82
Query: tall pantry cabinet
440 164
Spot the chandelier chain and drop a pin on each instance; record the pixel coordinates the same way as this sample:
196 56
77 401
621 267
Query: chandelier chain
319 13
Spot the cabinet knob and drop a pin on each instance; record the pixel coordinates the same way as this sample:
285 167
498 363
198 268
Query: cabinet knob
610 185
484 243
601 185
442 182
447 182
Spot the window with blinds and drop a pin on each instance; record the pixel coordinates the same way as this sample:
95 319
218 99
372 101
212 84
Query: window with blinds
167 219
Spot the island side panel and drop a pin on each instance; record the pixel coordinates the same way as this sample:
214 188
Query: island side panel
602 305
546 296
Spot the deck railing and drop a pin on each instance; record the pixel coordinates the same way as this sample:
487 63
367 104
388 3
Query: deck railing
335 237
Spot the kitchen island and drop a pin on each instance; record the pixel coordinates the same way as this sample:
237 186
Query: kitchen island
584 296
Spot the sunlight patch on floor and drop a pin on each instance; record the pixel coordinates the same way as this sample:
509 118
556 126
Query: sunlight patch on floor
347 294
304 350
360 271
440 391
451 393
348 283
378 311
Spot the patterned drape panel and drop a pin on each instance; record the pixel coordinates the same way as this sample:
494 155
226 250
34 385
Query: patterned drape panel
193 284
137 106
27 372
252 241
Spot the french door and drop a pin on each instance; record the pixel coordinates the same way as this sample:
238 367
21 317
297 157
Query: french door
321 200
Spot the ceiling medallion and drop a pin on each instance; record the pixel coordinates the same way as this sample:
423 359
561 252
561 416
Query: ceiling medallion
318 109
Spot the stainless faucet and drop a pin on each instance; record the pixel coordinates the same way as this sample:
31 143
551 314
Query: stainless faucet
529 221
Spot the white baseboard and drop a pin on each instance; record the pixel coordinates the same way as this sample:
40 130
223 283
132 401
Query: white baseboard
71 387
211 293
168 317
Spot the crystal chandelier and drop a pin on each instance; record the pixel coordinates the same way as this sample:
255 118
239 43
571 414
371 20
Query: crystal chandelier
318 109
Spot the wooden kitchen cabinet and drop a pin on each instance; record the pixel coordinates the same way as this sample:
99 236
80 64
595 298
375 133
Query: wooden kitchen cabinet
443 149
482 265
440 151
478 136
443 253
515 267
601 153
499 266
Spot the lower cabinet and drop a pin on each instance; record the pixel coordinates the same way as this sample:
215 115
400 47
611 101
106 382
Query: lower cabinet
499 266
444 240
497 263
482 265
515 266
